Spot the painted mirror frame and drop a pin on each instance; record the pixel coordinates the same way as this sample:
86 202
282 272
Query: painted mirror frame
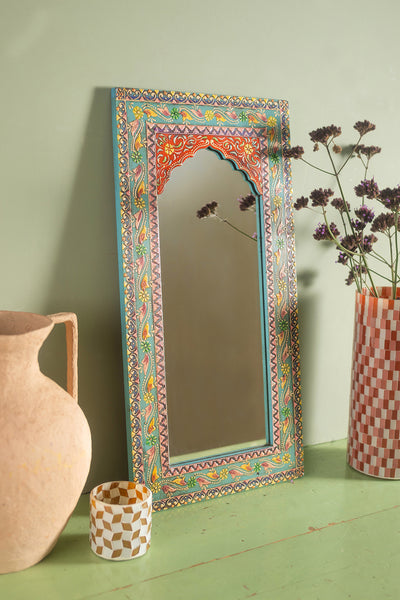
153 132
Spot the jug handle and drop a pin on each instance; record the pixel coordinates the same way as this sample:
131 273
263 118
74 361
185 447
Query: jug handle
71 335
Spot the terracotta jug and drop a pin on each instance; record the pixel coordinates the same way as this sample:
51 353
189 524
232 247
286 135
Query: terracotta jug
45 440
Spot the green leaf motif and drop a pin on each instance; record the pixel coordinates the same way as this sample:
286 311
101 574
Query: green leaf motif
141 250
175 114
136 156
151 440
283 324
280 243
274 158
146 346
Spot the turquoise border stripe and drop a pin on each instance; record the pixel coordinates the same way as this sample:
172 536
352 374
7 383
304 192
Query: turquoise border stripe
121 282
264 314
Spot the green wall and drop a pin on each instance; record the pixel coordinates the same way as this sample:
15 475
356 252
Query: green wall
334 61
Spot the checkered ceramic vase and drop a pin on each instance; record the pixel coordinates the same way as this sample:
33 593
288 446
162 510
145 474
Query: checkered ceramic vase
374 425
120 520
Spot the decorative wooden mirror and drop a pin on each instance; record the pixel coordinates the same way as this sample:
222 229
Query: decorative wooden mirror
208 306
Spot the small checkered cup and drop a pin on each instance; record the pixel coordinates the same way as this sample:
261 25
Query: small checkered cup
120 520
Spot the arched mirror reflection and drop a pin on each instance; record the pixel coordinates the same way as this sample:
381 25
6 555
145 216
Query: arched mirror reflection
211 312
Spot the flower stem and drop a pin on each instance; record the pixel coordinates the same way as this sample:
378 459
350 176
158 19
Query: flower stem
336 174
396 263
315 166
235 228
349 156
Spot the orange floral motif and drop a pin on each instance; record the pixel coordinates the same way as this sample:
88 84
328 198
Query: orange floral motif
179 481
247 467
151 426
150 384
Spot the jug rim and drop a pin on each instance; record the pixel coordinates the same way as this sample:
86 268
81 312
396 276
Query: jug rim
17 323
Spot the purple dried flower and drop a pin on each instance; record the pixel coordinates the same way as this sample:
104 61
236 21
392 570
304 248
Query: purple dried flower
322 134
368 241
353 270
350 242
340 205
322 232
364 127
368 151
390 197
334 230
320 197
382 222
343 258
350 278
337 149
358 225
247 202
301 203
365 214
295 152
207 210
367 188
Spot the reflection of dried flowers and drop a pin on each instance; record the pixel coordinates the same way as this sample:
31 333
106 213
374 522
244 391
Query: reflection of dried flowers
355 241
207 210
245 203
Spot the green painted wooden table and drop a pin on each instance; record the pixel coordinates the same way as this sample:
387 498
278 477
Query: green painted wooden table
333 534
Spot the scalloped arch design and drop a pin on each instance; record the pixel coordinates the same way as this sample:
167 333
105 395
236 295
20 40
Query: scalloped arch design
173 149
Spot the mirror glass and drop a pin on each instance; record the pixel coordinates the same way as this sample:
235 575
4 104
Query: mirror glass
211 312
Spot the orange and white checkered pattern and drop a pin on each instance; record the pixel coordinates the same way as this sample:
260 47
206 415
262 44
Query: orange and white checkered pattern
120 520
374 425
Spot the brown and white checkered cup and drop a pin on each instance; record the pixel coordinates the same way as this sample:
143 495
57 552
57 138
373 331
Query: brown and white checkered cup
120 520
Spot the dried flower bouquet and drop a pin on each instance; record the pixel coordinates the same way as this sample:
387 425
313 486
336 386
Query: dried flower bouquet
354 237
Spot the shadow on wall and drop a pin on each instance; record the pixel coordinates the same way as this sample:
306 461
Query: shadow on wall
308 309
86 282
